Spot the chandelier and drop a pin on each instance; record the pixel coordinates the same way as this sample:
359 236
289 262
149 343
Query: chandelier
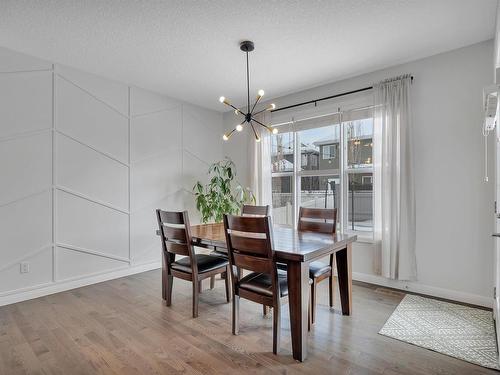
249 116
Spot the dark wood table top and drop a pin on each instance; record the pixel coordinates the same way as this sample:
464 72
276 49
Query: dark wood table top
289 243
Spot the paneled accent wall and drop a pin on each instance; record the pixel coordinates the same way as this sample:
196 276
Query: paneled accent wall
84 162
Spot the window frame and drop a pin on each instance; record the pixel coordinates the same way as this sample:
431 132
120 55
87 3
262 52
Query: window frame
342 172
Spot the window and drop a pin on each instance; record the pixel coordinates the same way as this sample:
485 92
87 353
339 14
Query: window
327 166
329 151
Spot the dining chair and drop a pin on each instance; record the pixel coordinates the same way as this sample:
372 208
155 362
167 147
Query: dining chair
176 240
249 210
321 220
256 211
250 247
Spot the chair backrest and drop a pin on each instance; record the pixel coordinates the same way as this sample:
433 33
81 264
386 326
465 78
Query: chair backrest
250 243
175 233
255 211
323 220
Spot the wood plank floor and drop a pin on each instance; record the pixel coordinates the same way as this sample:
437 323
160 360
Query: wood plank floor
122 327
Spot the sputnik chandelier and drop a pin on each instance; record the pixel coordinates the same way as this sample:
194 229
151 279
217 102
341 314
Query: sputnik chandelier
249 116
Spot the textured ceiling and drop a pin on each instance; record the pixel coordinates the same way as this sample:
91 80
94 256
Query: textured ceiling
189 49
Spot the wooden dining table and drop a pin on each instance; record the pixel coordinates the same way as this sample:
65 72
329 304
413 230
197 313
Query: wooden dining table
296 249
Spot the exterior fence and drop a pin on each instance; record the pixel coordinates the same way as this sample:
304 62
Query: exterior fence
359 205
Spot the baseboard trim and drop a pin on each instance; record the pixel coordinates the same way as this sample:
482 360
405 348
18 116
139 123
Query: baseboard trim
414 287
61 286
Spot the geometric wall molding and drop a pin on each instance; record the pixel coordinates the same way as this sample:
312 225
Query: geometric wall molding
144 102
111 93
40 272
154 133
25 102
32 170
142 237
12 61
74 264
88 225
80 188
155 178
25 226
192 117
90 121
91 174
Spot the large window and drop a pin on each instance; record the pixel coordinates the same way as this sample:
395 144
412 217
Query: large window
327 166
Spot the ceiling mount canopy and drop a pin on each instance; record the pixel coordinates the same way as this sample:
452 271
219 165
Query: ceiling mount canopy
249 116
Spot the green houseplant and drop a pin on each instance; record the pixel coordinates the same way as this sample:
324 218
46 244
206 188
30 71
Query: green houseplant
222 194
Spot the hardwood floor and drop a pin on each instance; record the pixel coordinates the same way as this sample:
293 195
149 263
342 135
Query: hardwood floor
123 327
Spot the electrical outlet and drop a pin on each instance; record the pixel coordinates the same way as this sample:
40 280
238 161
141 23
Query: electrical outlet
25 267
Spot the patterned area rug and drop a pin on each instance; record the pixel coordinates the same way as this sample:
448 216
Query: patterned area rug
459 331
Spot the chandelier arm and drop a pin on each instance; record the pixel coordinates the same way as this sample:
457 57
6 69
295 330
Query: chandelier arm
233 107
258 98
260 123
258 113
254 132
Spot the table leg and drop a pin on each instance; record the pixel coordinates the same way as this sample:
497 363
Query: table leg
344 271
298 297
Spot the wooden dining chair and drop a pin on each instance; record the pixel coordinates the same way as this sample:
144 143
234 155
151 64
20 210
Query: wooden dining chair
321 220
176 240
250 247
255 211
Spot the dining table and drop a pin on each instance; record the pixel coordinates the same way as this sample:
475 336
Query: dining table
296 249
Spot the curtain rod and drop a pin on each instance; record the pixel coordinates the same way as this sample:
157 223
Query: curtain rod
315 101
325 115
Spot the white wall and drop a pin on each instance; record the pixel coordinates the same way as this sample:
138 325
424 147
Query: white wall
454 205
84 161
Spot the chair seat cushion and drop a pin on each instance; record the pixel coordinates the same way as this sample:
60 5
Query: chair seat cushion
316 269
205 263
261 283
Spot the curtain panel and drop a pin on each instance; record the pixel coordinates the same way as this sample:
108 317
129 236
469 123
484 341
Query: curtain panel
395 224
260 164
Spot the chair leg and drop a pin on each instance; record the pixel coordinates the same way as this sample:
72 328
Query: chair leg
212 282
228 284
265 310
200 286
236 314
331 285
313 301
276 327
169 280
195 298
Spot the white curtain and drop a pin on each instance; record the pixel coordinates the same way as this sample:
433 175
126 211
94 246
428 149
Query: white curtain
394 192
260 164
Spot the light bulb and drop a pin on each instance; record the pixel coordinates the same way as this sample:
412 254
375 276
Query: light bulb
257 140
239 127
222 99
225 137
261 92
271 107
275 130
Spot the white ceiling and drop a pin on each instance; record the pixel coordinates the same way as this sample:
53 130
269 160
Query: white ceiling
190 49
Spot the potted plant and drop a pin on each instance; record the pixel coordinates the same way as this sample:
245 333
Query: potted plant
222 194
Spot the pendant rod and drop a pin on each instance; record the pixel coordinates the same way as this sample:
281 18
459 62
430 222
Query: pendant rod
248 86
